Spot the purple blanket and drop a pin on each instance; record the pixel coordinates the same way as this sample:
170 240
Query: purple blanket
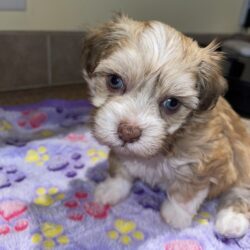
49 166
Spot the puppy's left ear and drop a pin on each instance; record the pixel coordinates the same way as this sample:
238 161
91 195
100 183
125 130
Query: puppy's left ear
211 83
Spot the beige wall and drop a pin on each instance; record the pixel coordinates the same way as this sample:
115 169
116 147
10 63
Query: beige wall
215 16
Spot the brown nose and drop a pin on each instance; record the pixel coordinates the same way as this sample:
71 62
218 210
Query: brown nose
128 133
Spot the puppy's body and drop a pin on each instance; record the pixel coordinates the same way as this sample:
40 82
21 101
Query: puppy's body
159 110
212 151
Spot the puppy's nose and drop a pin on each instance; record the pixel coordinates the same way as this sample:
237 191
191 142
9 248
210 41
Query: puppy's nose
128 132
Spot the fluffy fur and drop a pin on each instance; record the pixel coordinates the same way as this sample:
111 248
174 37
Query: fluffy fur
201 151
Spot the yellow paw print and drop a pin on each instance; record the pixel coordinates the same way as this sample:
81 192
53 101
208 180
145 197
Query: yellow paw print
203 218
47 197
50 236
125 231
38 157
96 155
5 125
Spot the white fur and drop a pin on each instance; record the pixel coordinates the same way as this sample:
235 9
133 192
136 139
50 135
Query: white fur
156 170
180 215
112 191
231 224
175 215
136 112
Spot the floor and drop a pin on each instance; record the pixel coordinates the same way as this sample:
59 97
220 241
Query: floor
68 92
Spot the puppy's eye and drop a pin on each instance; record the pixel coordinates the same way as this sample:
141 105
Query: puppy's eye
171 105
115 82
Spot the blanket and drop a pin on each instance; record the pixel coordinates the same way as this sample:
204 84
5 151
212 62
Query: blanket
49 167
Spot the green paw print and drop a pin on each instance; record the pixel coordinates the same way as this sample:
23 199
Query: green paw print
37 156
125 232
47 197
50 235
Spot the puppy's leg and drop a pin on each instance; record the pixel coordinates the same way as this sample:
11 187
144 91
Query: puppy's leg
179 212
234 212
113 190
116 187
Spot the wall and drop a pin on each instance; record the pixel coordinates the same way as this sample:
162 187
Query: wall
202 16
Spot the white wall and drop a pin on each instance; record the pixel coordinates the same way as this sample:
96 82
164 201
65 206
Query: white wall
203 16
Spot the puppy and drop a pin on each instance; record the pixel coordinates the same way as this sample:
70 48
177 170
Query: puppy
158 106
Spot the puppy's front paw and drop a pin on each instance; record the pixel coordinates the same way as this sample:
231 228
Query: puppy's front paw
231 224
175 215
112 191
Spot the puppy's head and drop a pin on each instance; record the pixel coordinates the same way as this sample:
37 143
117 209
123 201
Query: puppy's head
145 80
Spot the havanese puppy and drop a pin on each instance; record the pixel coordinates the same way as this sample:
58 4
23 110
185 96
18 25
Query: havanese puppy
158 106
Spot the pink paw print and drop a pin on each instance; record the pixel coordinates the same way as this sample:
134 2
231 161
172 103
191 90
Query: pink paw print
76 137
79 207
183 245
11 213
32 119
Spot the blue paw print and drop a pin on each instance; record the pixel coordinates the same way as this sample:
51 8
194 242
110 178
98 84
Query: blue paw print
17 142
69 164
98 173
9 175
72 118
148 197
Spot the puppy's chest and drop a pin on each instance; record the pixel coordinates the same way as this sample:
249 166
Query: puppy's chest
157 171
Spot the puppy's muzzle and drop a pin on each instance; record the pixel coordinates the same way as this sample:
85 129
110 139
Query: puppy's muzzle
128 133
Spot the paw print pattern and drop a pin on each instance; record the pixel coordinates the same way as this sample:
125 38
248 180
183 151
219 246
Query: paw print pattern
47 197
9 175
69 164
12 217
125 231
183 245
5 126
37 156
78 207
17 142
203 218
32 119
50 235
72 118
72 137
96 210
148 197
96 155
46 133
98 173
227 241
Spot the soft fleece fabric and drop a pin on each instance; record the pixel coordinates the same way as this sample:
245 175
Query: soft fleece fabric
49 165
